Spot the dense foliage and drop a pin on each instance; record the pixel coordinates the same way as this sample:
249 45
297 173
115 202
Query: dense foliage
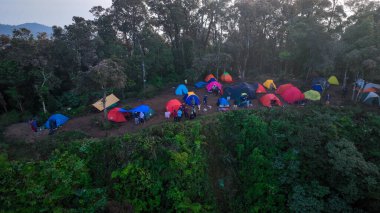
299 160
156 42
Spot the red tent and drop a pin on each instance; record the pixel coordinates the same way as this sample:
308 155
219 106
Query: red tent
172 105
116 116
209 77
260 88
292 95
269 99
283 88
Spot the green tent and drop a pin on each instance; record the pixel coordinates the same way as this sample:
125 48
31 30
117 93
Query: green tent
312 95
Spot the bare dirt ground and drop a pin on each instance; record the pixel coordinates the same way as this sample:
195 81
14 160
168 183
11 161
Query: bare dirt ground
87 124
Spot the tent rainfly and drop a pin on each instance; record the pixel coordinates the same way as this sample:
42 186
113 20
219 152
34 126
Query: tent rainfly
110 100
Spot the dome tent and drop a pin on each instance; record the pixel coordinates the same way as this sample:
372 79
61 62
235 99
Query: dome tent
117 115
181 90
223 102
312 95
269 84
173 104
371 98
281 89
320 84
212 84
226 77
209 77
293 95
191 98
234 92
58 118
333 80
200 84
269 100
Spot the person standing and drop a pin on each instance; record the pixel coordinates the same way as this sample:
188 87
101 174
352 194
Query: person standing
328 99
142 117
205 100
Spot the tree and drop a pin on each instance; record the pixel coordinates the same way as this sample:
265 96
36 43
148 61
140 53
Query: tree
106 75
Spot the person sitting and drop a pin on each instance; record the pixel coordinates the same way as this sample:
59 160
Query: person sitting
33 125
179 115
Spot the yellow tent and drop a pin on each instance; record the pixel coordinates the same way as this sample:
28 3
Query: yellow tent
312 95
190 93
269 84
333 80
110 100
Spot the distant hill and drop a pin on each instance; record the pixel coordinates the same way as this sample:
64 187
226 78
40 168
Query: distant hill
34 27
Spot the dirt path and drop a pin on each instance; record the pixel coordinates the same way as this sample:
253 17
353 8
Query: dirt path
87 124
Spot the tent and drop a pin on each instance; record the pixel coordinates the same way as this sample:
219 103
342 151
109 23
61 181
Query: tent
110 100
181 90
226 77
371 99
234 92
58 118
222 102
212 84
292 95
211 80
208 77
312 95
333 80
373 86
281 89
148 112
269 84
117 115
320 84
200 84
269 100
260 88
173 104
191 98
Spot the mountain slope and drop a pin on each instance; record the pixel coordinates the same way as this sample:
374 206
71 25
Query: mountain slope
35 28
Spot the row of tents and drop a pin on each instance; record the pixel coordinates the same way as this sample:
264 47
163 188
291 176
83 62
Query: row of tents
366 92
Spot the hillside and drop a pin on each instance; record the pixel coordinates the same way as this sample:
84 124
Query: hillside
35 28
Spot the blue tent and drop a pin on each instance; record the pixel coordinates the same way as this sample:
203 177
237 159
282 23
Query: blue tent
190 99
58 118
223 102
142 108
181 90
320 84
200 84
317 87
211 80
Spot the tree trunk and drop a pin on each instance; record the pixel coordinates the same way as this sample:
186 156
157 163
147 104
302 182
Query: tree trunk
20 106
3 102
104 99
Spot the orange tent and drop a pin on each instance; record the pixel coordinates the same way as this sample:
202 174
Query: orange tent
226 77
209 77
260 88
283 88
371 89
269 100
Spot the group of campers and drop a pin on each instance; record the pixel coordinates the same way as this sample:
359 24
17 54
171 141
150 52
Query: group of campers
182 112
139 117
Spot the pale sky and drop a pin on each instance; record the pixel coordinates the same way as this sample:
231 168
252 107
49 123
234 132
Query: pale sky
47 12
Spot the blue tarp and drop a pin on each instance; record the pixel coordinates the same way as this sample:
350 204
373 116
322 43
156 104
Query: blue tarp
200 84
142 108
223 102
181 90
58 118
190 99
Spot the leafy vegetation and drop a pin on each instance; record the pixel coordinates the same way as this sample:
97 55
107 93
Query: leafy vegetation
299 160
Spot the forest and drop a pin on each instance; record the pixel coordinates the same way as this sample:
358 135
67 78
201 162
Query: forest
157 42
315 158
